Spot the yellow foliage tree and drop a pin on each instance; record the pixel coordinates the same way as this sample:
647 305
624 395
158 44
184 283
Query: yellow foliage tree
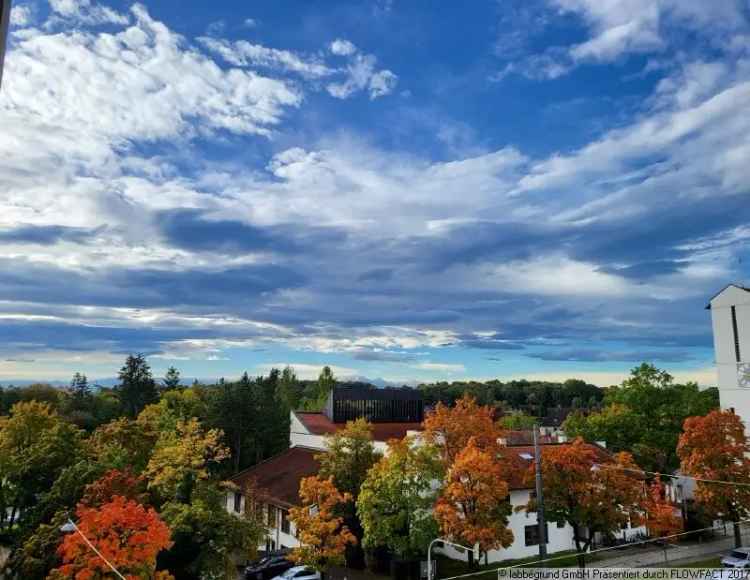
182 457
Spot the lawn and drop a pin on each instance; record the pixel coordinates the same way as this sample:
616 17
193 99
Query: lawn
713 562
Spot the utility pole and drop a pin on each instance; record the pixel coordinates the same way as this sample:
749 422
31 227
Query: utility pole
541 523
4 23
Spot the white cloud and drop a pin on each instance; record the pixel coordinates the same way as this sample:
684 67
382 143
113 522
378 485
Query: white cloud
362 74
21 15
342 47
86 12
250 23
441 367
243 53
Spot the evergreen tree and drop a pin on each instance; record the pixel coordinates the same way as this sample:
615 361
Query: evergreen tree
80 393
137 387
233 409
273 417
171 379
290 389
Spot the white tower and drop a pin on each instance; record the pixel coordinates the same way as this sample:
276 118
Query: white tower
730 315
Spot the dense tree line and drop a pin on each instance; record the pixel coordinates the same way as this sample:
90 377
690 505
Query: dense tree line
535 398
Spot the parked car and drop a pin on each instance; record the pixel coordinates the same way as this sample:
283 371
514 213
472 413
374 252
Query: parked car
737 558
269 567
299 573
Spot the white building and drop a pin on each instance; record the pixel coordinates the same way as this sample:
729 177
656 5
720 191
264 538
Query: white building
276 480
730 317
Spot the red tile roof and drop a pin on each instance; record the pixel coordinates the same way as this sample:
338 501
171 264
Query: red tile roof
277 479
319 424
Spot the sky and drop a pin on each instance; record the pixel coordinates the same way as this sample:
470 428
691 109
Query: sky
404 190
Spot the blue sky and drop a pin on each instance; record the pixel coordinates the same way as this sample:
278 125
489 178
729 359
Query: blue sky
402 190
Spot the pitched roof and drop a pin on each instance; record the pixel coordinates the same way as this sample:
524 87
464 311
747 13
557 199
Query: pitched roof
739 286
277 479
319 424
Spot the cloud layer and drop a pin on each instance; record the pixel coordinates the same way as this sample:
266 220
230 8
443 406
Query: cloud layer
125 225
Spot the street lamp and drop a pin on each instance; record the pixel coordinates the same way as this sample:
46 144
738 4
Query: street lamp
444 541
70 526
4 22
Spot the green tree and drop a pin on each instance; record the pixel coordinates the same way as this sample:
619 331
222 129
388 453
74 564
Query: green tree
137 387
290 389
396 499
272 424
517 421
36 444
350 455
644 415
206 536
233 408
317 393
171 379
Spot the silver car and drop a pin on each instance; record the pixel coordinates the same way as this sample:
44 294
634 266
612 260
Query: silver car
737 558
299 573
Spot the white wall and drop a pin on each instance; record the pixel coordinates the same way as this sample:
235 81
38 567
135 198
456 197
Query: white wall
732 394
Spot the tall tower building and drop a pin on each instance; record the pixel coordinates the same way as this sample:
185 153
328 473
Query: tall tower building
4 23
730 316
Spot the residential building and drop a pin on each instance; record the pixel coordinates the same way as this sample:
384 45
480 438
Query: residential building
394 413
730 317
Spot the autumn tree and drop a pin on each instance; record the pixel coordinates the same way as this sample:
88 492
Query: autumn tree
122 443
182 457
36 445
127 534
473 507
590 490
349 456
137 387
322 533
397 496
659 513
114 483
715 447
451 428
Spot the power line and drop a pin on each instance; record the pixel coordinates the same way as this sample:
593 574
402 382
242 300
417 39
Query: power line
701 479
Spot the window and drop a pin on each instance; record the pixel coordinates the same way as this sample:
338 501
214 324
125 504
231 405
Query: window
532 535
285 527
736 335
561 524
237 502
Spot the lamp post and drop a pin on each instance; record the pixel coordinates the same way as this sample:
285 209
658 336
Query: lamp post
444 541
4 22
70 526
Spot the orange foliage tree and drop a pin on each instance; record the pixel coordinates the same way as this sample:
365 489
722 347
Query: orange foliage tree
590 490
450 428
322 533
128 535
473 508
659 514
716 447
115 483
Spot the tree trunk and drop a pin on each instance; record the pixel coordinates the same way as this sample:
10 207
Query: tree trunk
737 534
471 559
577 538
